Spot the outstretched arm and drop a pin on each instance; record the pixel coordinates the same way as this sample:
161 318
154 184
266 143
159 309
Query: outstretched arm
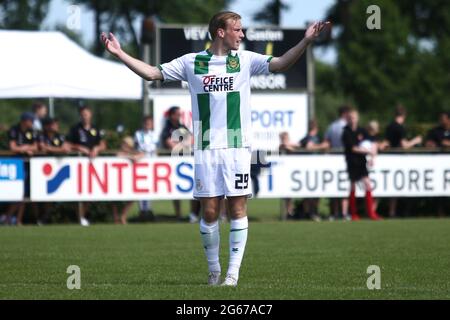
283 63
142 69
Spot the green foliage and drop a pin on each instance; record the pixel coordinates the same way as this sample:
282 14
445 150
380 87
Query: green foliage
118 16
271 12
407 61
22 14
107 115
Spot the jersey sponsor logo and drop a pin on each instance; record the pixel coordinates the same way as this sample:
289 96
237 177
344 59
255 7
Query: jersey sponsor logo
212 83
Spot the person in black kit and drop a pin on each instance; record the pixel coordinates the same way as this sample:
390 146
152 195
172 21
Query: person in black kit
355 156
312 142
174 128
396 132
22 137
87 139
439 136
22 141
396 137
50 140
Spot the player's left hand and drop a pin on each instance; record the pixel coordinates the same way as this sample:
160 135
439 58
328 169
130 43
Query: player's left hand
315 29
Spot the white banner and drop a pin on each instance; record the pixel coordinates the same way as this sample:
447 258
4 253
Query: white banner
271 115
298 176
111 179
11 179
315 176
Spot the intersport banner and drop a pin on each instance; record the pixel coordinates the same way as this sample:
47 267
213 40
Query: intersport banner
296 176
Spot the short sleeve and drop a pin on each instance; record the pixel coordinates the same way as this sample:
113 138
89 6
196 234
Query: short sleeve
304 141
327 135
73 136
137 142
165 133
347 140
174 70
12 134
259 63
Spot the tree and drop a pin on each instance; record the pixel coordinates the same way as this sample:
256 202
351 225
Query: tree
22 14
405 61
119 16
271 13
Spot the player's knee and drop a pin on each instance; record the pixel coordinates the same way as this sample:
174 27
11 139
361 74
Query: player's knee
238 212
210 215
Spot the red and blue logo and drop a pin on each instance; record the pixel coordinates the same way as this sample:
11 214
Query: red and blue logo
54 183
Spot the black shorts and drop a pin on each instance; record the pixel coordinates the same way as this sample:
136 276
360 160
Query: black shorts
356 173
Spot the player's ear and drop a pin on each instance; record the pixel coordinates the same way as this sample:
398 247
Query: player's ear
220 32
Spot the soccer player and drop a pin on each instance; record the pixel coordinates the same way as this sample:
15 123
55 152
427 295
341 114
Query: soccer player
355 156
219 83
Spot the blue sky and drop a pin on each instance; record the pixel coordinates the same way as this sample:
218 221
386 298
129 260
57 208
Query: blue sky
299 13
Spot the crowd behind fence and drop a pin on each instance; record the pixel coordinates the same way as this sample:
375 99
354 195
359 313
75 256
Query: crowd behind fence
37 135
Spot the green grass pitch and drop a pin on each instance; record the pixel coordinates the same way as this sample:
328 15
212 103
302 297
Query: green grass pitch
283 260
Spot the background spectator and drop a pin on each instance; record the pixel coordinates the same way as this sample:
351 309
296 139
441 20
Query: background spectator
87 139
167 142
373 131
287 147
396 137
146 141
23 140
53 143
396 131
40 113
127 150
50 140
440 136
312 142
333 136
355 157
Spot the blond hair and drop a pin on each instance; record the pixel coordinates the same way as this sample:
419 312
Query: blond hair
219 21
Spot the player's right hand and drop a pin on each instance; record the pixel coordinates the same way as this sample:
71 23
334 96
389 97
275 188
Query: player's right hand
111 43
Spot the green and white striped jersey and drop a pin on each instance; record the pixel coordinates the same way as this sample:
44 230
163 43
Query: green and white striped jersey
220 94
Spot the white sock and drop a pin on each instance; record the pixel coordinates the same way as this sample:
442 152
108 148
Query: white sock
238 240
211 242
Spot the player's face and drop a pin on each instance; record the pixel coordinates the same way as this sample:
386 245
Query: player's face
233 34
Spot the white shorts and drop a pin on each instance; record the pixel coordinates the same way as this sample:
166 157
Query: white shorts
222 172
